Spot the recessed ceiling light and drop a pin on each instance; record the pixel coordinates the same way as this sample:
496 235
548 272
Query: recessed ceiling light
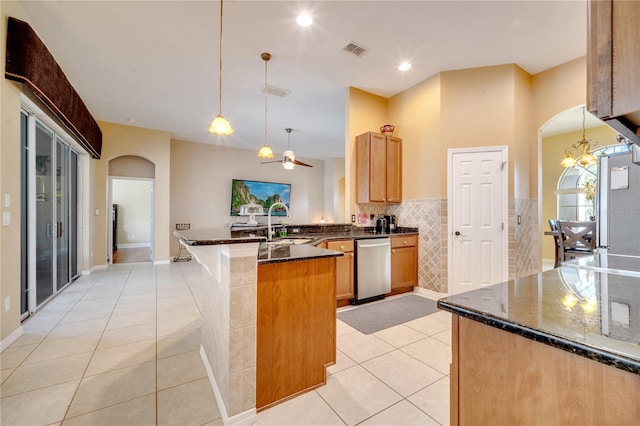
304 20
404 66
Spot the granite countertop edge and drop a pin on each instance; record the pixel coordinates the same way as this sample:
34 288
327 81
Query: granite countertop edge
586 351
326 253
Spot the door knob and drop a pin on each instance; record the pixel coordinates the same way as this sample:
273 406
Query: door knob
457 233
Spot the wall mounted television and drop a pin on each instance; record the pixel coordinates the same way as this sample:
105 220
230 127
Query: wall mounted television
245 191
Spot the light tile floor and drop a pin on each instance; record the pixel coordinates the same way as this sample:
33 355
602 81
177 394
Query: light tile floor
121 347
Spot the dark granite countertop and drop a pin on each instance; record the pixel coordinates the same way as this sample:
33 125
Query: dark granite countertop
614 263
272 253
215 236
276 251
592 313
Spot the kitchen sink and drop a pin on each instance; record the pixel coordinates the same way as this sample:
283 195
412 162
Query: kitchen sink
290 241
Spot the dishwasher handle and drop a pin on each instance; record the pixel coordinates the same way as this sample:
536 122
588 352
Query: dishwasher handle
373 245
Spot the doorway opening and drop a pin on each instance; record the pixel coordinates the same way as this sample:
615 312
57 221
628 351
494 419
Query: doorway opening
131 220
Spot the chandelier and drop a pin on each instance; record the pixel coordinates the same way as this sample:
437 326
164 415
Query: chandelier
580 153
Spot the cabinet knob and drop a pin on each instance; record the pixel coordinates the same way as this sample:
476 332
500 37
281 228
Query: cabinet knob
341 247
393 251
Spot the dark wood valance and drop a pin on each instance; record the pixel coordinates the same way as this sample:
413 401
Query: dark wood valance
30 62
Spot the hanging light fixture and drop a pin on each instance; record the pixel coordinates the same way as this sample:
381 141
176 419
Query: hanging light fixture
580 153
289 158
265 151
220 125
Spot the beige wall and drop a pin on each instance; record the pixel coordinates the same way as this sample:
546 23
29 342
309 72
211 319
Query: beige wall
10 241
201 177
478 110
132 166
553 148
153 145
554 91
415 113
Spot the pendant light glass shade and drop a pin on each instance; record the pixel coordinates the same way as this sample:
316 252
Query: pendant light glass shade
220 125
265 151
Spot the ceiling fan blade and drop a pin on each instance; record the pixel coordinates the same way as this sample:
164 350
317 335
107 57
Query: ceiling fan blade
273 161
300 163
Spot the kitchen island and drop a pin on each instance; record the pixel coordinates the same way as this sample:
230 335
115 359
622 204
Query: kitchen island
259 301
558 347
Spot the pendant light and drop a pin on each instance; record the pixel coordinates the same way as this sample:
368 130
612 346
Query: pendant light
265 151
220 125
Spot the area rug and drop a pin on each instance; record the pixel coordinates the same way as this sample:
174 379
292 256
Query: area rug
377 316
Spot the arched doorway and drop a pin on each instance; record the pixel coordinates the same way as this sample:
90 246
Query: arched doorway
557 135
131 196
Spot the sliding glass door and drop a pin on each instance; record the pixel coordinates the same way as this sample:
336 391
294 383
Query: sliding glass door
44 214
50 206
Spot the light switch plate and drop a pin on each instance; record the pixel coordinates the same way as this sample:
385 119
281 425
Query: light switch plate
7 199
6 218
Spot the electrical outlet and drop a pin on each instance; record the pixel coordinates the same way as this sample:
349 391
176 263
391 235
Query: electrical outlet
7 303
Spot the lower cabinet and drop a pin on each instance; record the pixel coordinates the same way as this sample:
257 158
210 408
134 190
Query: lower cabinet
344 271
404 263
296 328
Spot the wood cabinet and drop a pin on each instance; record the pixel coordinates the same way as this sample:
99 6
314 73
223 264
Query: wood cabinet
498 377
613 64
378 168
344 271
296 328
404 263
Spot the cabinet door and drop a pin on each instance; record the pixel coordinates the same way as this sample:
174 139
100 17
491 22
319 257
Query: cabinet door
613 58
394 170
377 168
625 57
404 267
344 268
344 277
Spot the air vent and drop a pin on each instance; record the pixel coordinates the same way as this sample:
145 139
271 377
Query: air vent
355 49
277 91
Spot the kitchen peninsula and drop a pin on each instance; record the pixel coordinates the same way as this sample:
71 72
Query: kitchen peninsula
268 318
558 347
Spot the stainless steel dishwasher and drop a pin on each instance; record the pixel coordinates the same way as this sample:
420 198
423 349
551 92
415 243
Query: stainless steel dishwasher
373 269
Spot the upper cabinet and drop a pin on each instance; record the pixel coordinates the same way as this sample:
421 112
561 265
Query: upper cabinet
378 168
613 65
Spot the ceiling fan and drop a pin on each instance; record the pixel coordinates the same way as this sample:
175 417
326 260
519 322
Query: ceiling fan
288 157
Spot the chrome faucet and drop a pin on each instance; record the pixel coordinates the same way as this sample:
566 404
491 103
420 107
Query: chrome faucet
269 230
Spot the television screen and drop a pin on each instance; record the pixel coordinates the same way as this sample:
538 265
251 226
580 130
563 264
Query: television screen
262 193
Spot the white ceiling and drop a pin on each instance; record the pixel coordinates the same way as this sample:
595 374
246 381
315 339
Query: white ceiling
154 64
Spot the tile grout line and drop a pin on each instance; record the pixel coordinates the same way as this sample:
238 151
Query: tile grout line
75 393
50 301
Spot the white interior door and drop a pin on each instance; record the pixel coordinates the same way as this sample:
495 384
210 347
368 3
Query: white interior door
477 218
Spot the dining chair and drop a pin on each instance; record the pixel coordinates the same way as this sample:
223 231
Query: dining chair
577 239
553 224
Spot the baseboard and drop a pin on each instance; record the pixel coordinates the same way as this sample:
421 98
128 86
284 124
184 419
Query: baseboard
7 341
94 268
245 418
433 295
161 262
133 245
